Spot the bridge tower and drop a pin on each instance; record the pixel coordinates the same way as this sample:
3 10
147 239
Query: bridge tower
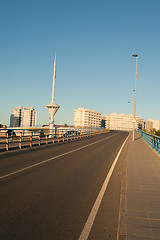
53 107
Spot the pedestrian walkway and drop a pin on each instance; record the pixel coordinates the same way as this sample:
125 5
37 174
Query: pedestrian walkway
140 195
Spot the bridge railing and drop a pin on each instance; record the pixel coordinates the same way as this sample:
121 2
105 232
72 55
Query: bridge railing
152 140
20 137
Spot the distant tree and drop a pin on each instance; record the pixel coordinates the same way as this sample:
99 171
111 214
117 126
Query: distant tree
65 125
2 126
153 131
157 133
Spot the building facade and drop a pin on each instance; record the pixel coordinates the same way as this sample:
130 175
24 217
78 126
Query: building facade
148 126
142 123
87 118
103 122
155 123
23 117
115 121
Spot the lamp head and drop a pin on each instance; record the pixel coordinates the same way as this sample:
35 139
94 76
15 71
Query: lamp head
135 55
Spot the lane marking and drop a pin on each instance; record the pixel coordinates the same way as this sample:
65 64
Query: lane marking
89 223
53 158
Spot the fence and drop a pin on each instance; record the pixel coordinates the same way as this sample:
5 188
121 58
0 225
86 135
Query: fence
18 138
152 140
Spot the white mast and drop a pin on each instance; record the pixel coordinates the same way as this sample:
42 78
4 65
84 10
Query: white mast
54 77
52 107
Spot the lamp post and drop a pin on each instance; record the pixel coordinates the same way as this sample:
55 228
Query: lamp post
128 114
136 56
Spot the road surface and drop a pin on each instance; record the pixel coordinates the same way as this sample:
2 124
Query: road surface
49 192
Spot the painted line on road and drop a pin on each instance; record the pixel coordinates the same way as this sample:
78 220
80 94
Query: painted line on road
89 223
53 158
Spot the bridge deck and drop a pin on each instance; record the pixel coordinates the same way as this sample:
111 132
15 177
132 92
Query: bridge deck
140 194
49 192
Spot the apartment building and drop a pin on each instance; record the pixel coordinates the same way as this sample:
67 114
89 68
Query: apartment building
23 117
148 126
87 118
121 121
155 123
103 122
142 124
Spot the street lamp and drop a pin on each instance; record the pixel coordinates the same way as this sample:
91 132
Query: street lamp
128 114
136 56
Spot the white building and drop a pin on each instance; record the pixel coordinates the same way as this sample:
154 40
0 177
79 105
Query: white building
23 117
148 126
121 121
155 123
87 118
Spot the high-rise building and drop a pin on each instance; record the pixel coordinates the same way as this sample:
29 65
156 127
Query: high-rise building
115 121
155 123
103 122
87 118
148 126
141 125
23 117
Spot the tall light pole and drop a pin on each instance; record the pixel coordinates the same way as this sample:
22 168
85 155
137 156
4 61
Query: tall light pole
128 114
136 56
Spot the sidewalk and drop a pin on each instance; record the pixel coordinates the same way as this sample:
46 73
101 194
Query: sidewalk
140 195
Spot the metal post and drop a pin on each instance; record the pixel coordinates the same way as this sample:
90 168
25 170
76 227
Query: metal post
46 137
136 56
128 115
58 135
63 135
67 135
11 138
53 137
31 139
7 141
20 140
23 135
39 138
71 135
74 134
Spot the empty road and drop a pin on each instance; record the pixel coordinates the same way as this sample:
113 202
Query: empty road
54 192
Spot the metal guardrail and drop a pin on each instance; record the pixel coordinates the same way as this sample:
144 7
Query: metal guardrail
152 140
18 138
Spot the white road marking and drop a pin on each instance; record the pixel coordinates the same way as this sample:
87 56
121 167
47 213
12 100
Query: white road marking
89 223
53 158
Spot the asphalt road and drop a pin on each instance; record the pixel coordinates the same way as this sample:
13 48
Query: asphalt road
48 192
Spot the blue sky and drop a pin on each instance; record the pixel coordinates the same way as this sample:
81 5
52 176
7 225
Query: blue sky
94 42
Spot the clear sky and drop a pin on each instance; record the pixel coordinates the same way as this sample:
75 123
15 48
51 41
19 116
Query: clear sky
94 42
